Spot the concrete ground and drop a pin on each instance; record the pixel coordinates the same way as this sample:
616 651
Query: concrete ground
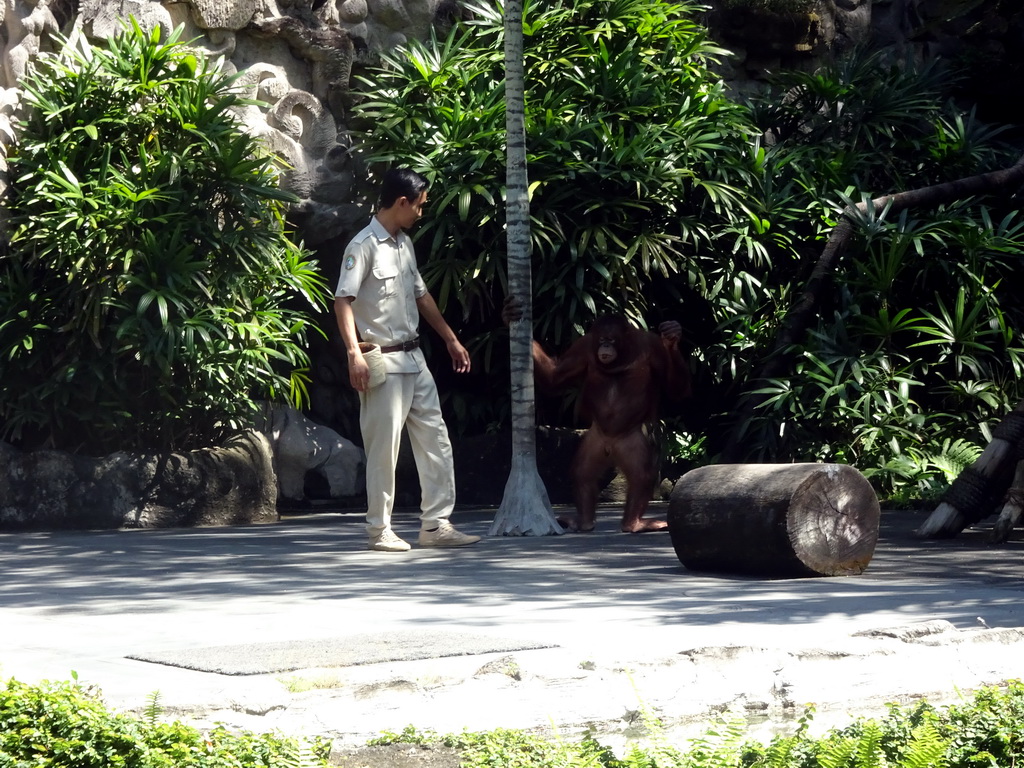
308 633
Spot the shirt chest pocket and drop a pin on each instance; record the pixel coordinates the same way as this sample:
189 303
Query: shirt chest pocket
385 275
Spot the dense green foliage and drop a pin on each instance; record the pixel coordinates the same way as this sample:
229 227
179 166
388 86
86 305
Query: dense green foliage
63 725
626 133
983 731
917 352
657 194
147 294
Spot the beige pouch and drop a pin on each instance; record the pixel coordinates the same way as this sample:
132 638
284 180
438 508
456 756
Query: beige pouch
375 360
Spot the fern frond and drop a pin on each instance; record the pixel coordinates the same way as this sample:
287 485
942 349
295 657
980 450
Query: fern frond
954 456
927 749
869 748
153 709
837 752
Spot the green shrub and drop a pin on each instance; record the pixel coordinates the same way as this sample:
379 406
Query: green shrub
657 195
983 731
634 153
63 725
58 725
631 143
917 351
149 293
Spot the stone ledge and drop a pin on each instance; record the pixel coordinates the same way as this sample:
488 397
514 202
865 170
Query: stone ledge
231 484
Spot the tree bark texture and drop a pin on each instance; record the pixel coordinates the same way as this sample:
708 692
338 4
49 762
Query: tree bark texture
525 508
774 520
976 492
805 308
1013 508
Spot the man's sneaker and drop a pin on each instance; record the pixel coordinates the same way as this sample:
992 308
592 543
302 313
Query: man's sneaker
388 541
446 536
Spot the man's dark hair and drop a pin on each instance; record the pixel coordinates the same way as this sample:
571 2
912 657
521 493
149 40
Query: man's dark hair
401 182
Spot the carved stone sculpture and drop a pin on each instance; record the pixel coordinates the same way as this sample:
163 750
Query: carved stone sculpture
301 446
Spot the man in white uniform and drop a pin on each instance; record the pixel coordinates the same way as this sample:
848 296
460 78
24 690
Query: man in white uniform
380 299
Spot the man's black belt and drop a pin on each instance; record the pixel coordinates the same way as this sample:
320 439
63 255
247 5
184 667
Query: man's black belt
405 346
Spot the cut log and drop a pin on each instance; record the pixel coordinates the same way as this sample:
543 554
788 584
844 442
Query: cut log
977 491
777 520
1012 510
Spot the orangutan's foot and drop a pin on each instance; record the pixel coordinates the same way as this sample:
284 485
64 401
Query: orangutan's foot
642 526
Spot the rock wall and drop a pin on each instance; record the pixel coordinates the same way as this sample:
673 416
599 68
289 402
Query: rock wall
984 38
218 486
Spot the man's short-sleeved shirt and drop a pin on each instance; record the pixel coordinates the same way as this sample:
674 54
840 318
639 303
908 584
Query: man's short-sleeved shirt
379 272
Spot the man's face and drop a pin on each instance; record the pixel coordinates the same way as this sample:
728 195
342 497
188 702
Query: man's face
411 210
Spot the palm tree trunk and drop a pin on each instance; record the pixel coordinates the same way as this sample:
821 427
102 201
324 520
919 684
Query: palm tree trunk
525 508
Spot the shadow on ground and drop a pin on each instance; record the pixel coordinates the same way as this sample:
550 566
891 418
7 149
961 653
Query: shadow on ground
323 557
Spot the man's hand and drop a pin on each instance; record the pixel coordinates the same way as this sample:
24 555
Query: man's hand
358 372
460 356
511 310
429 312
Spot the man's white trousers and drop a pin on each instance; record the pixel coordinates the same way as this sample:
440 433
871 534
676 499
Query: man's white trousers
409 400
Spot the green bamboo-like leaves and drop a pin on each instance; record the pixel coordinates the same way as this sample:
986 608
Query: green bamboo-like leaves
655 193
629 140
918 345
149 289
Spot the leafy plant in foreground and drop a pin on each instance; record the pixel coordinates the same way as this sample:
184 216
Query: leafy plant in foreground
984 730
63 725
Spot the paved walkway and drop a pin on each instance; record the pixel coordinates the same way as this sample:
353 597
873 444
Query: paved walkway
625 625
